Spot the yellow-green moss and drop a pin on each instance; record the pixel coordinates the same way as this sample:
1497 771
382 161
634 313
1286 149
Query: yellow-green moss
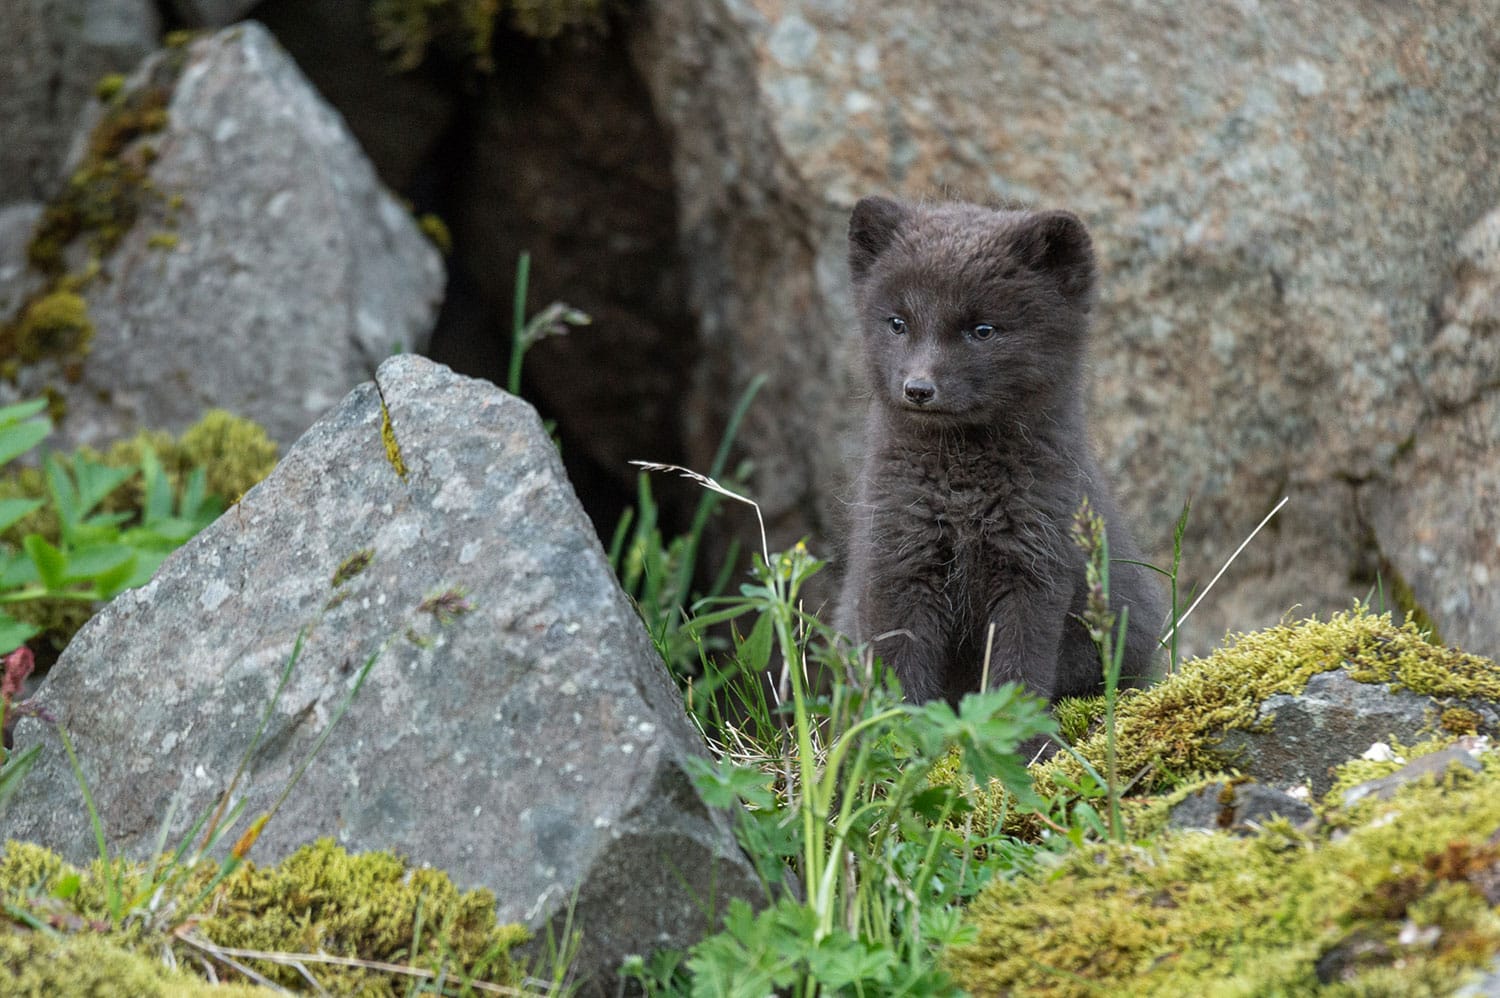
55 324
1075 715
388 438
1357 771
1198 914
1459 721
109 86
319 900
42 965
100 202
1168 735
105 194
1171 731
436 230
406 29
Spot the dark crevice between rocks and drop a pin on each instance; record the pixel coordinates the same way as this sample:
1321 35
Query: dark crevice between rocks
556 152
1373 568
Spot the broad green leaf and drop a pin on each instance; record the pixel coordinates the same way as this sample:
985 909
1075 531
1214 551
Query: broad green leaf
196 502
14 633
64 492
16 570
18 438
96 481
14 771
120 577
12 510
755 650
51 564
21 410
158 499
86 564
147 561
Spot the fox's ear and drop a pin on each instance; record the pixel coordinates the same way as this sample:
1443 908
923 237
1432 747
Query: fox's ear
871 229
1056 243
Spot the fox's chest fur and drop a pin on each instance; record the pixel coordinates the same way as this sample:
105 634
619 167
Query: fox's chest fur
965 530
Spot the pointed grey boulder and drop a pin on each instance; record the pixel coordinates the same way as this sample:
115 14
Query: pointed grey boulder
257 264
517 728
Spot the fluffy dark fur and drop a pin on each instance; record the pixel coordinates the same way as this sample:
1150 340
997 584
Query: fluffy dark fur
974 325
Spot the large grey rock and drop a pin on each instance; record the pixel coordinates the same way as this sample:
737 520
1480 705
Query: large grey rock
1432 766
1240 807
1275 194
52 54
267 270
17 280
1438 516
1301 738
534 745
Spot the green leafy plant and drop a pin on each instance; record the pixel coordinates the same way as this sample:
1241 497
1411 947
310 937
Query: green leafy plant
861 850
658 574
97 553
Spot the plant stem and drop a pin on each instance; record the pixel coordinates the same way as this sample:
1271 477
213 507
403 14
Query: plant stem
518 325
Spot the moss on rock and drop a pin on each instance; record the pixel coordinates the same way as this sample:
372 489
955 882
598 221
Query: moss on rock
1396 905
1171 732
55 324
320 900
101 201
1169 736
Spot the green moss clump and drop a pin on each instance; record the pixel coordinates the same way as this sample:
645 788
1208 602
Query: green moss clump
319 900
101 201
436 231
33 963
1076 715
55 324
109 86
1169 735
1460 721
1172 730
392 446
406 29
235 453
1197 914
105 194
323 900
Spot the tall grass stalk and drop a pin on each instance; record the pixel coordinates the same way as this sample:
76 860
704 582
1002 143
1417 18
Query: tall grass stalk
840 802
1178 621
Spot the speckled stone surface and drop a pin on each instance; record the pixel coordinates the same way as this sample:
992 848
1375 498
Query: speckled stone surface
533 745
268 271
1277 191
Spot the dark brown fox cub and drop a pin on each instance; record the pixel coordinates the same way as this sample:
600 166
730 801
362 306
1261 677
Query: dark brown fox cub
976 457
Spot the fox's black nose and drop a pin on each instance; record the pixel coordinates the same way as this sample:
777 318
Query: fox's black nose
919 391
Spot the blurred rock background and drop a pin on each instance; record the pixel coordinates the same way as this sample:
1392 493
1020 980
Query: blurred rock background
1295 207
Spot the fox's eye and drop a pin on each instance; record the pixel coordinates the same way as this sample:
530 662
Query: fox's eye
897 324
983 331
